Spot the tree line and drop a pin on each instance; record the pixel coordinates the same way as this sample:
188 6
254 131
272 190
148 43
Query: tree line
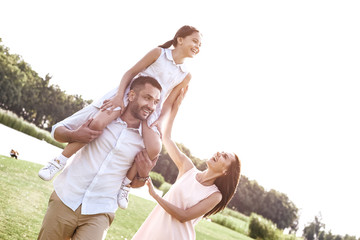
31 97
315 230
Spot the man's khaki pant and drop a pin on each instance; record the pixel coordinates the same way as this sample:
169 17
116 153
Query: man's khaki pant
60 223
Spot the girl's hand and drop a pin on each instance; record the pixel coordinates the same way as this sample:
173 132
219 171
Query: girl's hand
151 188
110 104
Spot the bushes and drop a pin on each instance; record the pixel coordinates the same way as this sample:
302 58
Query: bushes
232 219
262 228
13 121
159 182
157 179
165 187
230 222
236 214
289 237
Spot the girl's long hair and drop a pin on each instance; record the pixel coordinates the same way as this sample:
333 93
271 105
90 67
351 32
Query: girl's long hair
227 184
184 31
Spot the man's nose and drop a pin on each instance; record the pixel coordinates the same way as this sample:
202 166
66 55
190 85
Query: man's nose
151 105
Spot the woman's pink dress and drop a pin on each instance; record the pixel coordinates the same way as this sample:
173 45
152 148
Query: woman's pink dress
185 193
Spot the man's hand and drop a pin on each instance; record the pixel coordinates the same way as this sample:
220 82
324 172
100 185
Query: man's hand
144 165
84 134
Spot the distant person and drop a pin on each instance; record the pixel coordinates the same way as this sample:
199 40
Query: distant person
194 194
14 154
84 200
164 64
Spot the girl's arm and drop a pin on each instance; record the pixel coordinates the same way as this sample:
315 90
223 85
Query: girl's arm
165 111
152 141
146 61
193 212
182 162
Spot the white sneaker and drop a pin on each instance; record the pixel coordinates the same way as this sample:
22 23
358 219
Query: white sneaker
49 171
123 197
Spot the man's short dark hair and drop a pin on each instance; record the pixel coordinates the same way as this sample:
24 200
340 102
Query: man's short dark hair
142 80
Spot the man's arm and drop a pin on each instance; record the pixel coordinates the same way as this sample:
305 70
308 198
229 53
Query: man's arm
144 165
75 128
83 134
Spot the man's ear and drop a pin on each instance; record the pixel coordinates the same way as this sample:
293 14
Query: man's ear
132 95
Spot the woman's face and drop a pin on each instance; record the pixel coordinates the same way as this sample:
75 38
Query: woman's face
190 44
221 161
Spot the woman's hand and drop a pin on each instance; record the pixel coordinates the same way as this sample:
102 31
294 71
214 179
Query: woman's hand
179 98
151 188
110 104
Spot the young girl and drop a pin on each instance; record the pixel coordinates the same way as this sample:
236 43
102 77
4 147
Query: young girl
164 64
193 195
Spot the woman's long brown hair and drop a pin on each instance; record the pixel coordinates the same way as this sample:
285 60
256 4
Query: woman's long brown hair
227 185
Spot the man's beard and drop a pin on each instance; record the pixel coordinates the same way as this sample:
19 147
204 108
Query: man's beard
136 112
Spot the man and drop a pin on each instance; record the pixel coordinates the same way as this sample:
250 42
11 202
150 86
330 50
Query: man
84 202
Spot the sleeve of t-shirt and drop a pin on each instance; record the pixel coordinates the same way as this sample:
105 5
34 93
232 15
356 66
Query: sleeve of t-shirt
77 119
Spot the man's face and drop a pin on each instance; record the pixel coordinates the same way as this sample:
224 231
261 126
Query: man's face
144 102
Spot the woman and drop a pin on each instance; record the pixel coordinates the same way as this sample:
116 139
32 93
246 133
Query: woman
194 194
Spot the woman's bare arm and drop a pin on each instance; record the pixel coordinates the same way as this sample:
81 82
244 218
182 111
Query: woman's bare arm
184 215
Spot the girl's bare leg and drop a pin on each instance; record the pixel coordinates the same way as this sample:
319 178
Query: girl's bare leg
123 196
101 120
130 175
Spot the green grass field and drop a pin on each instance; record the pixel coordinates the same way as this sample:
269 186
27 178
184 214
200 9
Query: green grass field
24 197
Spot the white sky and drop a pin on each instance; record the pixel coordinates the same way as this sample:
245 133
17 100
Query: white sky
277 82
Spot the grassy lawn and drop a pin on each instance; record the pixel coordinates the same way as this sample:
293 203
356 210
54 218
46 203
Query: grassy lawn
212 231
24 197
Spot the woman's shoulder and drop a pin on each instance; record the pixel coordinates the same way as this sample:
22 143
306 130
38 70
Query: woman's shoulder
189 170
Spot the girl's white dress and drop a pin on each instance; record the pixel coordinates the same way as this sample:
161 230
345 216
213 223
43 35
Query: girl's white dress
166 71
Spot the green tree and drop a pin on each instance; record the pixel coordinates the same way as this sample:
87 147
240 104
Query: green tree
249 196
312 230
348 237
11 79
31 97
322 235
167 168
279 209
329 236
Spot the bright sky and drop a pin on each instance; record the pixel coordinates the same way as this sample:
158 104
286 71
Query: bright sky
277 82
